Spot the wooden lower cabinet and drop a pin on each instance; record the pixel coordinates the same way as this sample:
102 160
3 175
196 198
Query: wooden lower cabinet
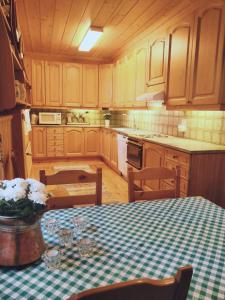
64 142
153 156
201 173
73 141
106 145
39 142
113 150
91 140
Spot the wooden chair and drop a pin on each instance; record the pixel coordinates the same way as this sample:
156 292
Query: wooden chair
153 174
70 177
173 288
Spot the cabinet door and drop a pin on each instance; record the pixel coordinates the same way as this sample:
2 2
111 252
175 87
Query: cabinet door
105 85
90 85
119 83
74 141
72 84
153 156
157 62
208 55
113 150
53 75
91 141
179 60
38 83
106 144
130 78
116 84
141 64
39 142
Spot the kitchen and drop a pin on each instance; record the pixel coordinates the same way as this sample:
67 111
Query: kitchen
149 93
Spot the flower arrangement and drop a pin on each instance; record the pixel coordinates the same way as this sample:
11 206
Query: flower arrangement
22 197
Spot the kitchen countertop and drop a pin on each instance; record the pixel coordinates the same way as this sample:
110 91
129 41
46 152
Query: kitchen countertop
180 144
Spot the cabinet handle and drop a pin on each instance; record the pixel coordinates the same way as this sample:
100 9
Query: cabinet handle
175 156
29 154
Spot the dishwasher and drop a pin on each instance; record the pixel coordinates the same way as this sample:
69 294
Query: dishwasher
122 154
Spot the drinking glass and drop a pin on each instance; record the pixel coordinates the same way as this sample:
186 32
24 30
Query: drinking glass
65 236
80 223
51 225
86 247
52 258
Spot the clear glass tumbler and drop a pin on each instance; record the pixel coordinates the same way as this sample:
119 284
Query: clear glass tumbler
80 224
51 225
86 247
65 236
52 258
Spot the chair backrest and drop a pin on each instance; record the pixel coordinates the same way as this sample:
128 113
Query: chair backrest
152 174
173 288
70 177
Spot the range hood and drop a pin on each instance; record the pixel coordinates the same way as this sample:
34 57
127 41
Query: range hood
155 100
153 96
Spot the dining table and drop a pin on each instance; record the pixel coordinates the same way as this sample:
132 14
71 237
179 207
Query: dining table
147 239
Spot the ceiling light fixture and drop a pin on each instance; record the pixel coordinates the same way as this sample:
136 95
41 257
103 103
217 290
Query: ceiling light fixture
90 39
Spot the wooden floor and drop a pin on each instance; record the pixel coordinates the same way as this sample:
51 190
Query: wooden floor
114 186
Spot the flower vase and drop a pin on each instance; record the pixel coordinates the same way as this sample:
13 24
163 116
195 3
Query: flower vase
21 240
107 123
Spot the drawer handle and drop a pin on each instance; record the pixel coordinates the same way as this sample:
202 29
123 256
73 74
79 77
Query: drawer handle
175 156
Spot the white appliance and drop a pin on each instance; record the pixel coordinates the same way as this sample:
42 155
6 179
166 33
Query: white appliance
122 154
50 118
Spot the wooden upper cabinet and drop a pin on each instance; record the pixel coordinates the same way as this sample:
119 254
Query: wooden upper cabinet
207 56
105 85
72 84
130 77
38 83
156 71
53 77
73 141
179 62
118 87
90 85
39 141
91 141
141 68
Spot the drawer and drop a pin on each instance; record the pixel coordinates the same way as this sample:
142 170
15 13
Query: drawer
184 169
177 156
55 143
52 131
57 136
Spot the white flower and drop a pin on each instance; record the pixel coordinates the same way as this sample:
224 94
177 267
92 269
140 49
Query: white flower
35 185
37 197
11 193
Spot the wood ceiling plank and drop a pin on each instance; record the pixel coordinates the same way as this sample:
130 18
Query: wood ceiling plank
154 13
76 12
23 23
93 8
62 10
107 10
32 9
179 10
113 32
47 12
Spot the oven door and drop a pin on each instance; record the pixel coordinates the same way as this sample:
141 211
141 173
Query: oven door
134 154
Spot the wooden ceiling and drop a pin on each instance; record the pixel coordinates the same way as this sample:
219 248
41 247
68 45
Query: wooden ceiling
57 27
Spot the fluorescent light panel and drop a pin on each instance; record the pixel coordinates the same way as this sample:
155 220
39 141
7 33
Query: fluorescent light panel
90 38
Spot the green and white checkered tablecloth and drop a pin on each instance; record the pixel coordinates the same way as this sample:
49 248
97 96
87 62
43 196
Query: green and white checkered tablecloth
148 239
